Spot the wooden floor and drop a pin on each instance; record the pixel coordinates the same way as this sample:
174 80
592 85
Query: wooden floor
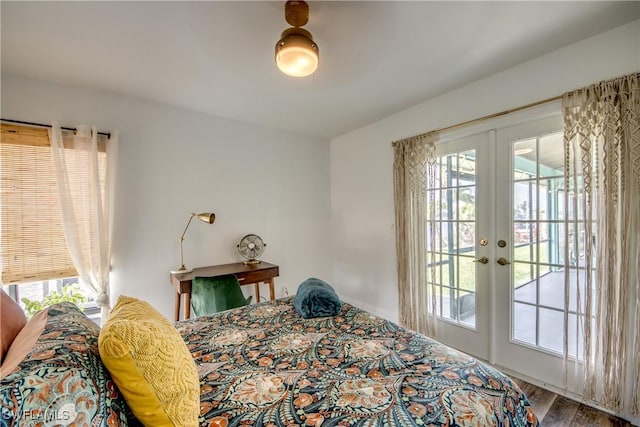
554 410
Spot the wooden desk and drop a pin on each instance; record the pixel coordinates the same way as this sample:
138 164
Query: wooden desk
247 274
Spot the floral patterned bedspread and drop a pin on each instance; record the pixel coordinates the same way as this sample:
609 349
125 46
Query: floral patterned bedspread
265 365
62 381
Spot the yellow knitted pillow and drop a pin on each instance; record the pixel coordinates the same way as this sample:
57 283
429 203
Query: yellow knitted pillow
151 365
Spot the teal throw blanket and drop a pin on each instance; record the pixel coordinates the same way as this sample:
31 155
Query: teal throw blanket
316 298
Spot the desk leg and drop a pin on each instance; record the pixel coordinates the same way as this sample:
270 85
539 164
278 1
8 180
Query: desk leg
187 305
256 287
176 308
272 291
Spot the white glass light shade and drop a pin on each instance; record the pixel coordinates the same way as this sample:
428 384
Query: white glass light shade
296 53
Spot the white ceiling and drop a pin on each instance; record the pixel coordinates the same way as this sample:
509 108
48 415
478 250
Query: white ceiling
376 57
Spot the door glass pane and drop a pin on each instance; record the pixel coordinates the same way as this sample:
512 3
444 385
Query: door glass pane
524 241
454 268
446 270
467 167
551 236
542 242
524 159
467 307
551 155
525 284
524 323
450 205
448 175
572 333
448 236
448 301
467 203
551 329
523 272
466 236
467 273
524 200
552 289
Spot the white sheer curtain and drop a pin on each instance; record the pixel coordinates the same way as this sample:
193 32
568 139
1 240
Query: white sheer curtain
413 176
85 167
602 176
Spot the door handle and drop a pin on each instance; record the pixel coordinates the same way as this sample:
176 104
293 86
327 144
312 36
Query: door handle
502 261
482 260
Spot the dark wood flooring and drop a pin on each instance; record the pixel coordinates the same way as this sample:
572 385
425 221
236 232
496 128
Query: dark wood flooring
554 410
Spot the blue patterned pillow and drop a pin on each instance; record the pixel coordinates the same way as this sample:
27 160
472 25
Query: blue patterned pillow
63 379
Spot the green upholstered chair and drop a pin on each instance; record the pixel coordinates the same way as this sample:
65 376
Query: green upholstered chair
213 294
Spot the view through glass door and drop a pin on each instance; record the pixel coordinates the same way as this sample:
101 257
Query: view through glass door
501 245
461 266
531 211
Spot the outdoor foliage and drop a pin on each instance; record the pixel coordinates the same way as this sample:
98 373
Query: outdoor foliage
69 293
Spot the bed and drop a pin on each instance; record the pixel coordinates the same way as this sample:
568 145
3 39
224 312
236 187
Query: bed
264 365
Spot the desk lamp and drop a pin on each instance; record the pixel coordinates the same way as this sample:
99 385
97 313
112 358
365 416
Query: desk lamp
207 217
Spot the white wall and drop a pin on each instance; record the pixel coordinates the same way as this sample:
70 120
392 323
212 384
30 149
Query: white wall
173 162
277 184
363 255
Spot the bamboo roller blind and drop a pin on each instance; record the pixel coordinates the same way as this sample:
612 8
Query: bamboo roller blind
32 236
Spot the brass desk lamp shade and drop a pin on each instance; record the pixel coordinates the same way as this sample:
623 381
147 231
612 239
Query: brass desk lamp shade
207 217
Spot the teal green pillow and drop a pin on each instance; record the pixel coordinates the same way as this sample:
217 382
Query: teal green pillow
213 294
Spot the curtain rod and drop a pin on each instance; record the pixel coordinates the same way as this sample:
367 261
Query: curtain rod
488 117
501 113
42 125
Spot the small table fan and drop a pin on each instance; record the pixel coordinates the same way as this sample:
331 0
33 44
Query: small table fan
251 248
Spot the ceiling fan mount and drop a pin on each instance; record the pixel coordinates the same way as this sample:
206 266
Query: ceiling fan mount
296 13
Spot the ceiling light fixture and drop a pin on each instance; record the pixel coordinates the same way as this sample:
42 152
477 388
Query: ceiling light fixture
297 54
521 151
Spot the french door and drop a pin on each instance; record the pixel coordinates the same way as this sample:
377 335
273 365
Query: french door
531 220
461 257
500 248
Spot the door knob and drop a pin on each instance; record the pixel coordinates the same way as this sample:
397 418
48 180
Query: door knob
502 261
482 260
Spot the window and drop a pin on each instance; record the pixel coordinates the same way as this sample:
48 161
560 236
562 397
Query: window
38 291
33 244
34 251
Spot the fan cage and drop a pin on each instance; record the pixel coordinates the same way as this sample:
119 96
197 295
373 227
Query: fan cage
251 247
